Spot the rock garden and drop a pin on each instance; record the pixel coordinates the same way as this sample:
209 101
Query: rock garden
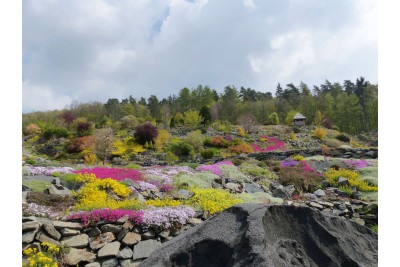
84 208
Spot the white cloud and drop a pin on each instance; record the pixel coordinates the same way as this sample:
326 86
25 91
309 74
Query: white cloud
93 50
36 97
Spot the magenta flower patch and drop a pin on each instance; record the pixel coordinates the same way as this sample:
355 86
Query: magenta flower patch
358 164
271 144
107 215
214 168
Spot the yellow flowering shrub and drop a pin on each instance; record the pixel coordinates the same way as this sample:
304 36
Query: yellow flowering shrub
163 202
298 157
93 194
45 258
293 136
241 132
320 133
353 178
161 140
213 200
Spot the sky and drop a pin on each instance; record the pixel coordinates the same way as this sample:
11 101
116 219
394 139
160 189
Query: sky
94 50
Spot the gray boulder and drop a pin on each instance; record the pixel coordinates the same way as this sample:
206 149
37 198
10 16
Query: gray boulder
270 235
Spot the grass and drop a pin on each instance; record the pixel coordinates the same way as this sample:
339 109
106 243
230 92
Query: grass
37 185
369 174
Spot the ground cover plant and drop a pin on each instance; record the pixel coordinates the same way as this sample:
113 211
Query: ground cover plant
117 174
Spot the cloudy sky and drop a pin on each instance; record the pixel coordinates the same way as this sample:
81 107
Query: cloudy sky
93 50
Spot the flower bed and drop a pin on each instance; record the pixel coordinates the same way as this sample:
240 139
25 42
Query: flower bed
358 164
117 174
106 215
156 217
214 168
268 144
49 170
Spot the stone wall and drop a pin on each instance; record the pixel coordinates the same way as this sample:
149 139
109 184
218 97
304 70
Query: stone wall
356 153
104 244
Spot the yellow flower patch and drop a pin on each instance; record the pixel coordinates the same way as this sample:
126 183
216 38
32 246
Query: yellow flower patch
213 200
353 178
166 202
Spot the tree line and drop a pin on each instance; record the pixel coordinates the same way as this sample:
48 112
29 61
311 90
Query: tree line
350 106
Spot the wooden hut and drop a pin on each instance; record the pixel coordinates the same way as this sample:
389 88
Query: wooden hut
299 120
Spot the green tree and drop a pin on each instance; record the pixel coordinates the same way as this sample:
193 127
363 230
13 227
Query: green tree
206 114
192 118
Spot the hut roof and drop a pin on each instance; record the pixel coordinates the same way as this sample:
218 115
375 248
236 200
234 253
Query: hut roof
299 116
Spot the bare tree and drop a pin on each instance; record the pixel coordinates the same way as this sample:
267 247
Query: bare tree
103 144
247 121
165 116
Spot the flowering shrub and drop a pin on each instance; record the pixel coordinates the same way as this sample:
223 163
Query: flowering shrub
33 209
117 174
320 133
242 148
298 157
219 141
106 215
289 162
353 178
163 202
93 194
214 168
144 186
241 132
213 200
45 258
32 129
167 217
358 164
303 177
270 144
49 170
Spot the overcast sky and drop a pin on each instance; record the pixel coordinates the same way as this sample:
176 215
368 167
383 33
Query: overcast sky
93 50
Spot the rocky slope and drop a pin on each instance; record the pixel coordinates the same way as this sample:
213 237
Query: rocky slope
269 235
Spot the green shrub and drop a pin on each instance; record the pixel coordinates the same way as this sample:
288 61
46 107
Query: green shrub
31 161
233 172
170 157
296 129
56 132
209 153
196 139
374 228
69 177
199 180
343 138
56 174
133 166
237 161
37 185
182 148
334 127
257 171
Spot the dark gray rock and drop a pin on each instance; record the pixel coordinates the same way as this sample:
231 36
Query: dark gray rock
125 253
110 263
51 231
111 228
144 248
343 181
325 184
184 194
109 250
77 241
270 235
91 232
252 188
319 193
76 256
